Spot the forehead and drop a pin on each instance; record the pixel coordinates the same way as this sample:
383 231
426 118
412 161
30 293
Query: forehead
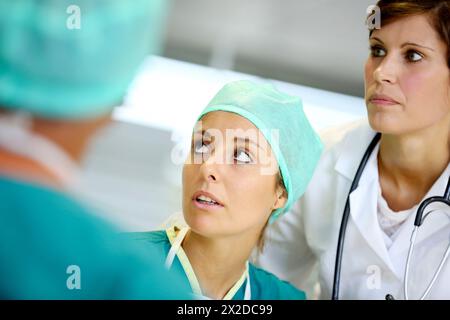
232 126
416 28
222 121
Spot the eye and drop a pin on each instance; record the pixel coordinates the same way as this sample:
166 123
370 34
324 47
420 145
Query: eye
377 51
242 156
200 147
413 56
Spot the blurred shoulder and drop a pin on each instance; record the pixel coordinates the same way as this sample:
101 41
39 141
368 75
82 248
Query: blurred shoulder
267 286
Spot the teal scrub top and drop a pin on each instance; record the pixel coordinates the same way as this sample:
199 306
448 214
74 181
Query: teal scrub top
53 248
264 285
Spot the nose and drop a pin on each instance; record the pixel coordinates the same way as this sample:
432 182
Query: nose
386 71
210 168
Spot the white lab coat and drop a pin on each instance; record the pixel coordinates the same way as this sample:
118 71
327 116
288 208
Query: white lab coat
301 245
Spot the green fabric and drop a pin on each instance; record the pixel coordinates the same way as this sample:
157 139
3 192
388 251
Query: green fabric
43 232
264 285
56 72
298 148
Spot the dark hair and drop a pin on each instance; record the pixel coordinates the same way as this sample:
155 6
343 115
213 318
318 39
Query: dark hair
438 12
280 184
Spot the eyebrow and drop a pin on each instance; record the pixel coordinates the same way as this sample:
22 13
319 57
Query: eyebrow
246 140
236 139
405 44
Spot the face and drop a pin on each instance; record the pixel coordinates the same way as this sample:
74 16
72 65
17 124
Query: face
228 165
407 80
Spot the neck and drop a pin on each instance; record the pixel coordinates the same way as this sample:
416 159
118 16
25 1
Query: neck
409 164
71 136
24 169
218 262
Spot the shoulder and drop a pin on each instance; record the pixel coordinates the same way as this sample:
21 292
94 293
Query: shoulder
267 286
158 236
345 141
56 215
324 198
154 240
57 228
340 159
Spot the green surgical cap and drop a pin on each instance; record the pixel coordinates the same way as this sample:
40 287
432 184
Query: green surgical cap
69 59
298 148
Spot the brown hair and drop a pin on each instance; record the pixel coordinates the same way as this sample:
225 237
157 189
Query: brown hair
280 184
438 12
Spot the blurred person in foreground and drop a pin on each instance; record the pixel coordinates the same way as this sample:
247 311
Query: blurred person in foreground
64 65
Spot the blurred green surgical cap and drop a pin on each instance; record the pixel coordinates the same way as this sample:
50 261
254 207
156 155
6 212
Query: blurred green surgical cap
298 148
51 68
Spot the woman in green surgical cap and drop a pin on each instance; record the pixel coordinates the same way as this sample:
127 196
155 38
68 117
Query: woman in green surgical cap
58 86
253 152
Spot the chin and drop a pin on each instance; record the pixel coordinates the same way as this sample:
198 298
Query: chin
201 222
392 127
383 127
386 123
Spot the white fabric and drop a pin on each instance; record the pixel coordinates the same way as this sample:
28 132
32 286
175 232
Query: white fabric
390 220
301 246
17 137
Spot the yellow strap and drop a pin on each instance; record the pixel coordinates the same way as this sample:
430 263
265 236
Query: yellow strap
172 233
232 292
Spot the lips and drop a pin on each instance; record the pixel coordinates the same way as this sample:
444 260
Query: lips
205 199
381 99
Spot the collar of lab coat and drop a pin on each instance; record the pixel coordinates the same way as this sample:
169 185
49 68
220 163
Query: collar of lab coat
363 211
353 147
363 199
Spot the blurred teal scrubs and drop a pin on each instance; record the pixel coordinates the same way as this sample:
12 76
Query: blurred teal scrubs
45 236
264 285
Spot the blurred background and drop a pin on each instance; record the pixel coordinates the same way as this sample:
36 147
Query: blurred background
313 49
320 43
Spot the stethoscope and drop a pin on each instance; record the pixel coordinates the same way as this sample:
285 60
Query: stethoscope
176 245
417 223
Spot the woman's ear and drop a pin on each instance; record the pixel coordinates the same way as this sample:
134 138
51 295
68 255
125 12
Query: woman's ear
281 198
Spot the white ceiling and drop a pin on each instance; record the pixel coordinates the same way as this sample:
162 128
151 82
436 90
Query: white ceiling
320 43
